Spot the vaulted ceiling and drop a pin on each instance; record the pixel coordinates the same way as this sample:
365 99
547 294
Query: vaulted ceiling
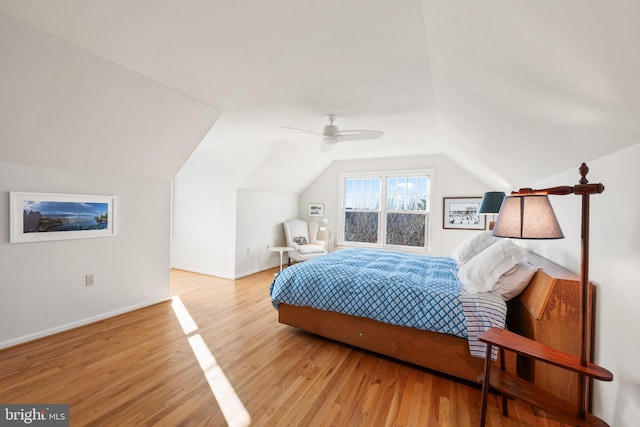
512 91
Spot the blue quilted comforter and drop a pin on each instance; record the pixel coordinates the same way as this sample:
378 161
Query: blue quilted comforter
401 289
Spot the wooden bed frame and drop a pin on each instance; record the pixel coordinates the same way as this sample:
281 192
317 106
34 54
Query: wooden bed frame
547 311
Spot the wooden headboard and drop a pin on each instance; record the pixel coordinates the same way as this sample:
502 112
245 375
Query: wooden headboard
548 311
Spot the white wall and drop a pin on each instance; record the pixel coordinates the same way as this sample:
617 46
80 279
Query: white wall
204 223
209 210
450 181
42 284
614 268
221 229
259 224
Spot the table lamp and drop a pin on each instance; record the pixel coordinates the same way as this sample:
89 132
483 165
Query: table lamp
490 205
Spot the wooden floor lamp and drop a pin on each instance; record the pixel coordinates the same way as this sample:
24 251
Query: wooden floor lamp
527 214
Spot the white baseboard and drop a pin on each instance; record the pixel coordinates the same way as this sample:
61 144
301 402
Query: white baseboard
206 272
65 327
249 273
226 276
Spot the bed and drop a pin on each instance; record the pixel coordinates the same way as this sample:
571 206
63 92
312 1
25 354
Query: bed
541 311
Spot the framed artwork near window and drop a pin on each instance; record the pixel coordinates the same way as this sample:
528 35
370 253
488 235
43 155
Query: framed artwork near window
316 209
461 213
51 216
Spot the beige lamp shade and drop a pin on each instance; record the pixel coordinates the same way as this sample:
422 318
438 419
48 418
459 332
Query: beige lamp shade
527 217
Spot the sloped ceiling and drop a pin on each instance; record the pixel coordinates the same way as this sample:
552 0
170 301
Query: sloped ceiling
513 91
529 89
64 107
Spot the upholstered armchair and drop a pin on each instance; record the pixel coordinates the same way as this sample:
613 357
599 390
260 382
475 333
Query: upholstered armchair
302 237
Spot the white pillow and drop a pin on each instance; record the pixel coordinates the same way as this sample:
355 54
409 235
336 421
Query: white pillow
483 270
513 282
473 245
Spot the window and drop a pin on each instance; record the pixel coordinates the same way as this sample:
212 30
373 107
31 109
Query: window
361 209
386 209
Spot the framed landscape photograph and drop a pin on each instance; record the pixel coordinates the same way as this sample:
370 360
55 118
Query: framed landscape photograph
461 213
316 209
49 216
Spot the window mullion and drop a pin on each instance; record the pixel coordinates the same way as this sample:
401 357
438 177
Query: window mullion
382 216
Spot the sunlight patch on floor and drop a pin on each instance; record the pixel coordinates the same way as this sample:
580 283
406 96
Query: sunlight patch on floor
232 408
185 319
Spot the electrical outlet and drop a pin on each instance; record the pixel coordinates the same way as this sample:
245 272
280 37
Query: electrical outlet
89 280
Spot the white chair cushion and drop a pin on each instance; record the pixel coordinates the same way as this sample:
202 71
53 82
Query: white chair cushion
310 249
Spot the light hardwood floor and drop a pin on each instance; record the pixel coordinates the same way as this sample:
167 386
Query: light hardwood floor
231 361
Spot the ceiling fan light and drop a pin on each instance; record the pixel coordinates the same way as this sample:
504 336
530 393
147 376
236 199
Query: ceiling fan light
329 140
330 131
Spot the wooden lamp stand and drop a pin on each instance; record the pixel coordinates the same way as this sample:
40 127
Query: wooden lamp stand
513 386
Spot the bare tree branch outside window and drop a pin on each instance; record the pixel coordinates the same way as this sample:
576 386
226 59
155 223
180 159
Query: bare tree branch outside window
404 211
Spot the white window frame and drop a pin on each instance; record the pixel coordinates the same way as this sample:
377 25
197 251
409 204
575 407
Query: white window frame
382 232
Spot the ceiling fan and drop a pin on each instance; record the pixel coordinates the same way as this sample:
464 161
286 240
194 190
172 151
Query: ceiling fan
331 134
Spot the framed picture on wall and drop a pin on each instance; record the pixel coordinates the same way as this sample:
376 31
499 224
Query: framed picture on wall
316 209
461 213
37 217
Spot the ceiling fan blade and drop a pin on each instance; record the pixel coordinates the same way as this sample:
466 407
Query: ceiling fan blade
359 135
303 130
